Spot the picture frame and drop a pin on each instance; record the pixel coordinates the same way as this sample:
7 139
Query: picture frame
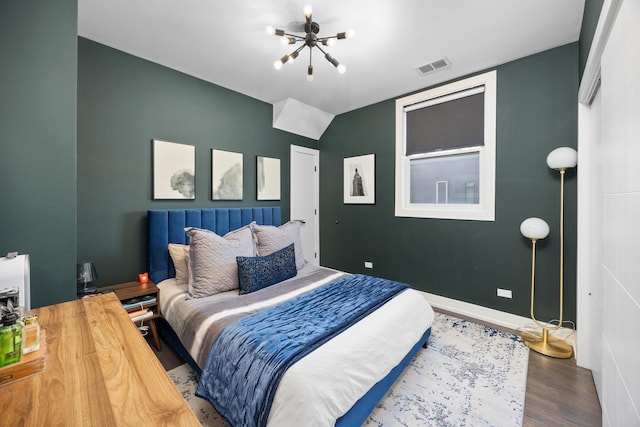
174 166
360 179
226 175
267 178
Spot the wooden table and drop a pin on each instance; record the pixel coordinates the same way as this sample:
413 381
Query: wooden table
126 291
99 371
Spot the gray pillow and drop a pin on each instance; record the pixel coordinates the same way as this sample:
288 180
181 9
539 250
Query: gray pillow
270 239
212 260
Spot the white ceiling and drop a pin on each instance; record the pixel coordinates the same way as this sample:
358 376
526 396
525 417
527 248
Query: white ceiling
225 42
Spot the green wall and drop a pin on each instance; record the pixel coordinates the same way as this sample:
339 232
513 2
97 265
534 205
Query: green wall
38 73
123 103
466 260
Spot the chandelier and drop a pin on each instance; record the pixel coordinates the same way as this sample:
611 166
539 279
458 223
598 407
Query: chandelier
310 40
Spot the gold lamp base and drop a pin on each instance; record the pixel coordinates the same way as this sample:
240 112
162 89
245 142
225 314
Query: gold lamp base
544 344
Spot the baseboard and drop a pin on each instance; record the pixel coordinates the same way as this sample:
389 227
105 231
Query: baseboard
496 317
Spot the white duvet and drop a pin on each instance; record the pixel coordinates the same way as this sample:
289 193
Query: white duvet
325 384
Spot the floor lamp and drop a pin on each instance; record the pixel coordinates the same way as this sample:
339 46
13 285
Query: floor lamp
534 229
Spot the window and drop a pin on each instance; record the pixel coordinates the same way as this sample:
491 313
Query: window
445 151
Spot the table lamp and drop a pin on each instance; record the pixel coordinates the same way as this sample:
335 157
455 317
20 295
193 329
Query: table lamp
86 274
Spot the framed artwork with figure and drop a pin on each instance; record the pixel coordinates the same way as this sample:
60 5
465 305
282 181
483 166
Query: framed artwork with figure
360 179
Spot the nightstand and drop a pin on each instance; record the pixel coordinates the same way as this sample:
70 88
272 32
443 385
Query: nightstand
136 295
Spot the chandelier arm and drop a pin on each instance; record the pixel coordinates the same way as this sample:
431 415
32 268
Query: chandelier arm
320 49
320 39
289 55
286 58
333 61
295 53
295 36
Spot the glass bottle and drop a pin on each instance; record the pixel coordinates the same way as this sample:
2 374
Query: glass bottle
30 334
10 339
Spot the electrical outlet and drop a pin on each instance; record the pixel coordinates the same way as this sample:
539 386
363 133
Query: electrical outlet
504 293
368 264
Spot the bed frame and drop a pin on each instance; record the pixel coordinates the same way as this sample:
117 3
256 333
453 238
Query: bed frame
167 226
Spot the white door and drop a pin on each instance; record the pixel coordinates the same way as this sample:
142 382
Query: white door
305 190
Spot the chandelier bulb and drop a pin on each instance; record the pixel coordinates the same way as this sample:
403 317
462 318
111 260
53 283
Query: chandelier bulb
270 30
307 10
342 69
310 73
280 62
287 41
346 34
329 42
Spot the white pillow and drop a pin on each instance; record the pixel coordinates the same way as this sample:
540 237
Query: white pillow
212 260
180 256
270 238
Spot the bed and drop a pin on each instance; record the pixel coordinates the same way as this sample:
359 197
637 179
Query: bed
342 378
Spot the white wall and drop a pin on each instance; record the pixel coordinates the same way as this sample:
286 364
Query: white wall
613 162
589 285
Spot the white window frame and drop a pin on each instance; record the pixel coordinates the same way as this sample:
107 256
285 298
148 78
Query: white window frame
485 210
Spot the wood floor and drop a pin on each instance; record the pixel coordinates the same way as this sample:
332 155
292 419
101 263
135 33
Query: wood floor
559 393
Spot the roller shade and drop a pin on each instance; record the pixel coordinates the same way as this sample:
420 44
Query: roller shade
453 121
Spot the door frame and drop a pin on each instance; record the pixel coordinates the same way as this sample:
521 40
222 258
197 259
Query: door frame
316 154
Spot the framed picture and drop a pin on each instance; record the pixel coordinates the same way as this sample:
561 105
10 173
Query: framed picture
174 171
268 179
360 179
226 175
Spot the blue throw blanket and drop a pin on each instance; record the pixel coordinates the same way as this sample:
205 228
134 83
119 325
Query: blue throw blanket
250 356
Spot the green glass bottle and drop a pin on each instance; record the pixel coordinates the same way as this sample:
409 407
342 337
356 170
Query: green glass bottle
10 339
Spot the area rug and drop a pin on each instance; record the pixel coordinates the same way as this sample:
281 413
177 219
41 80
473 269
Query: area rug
470 375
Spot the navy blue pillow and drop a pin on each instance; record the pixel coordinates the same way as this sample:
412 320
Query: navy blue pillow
258 272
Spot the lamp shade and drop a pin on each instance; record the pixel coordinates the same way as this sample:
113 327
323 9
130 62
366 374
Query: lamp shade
562 158
86 272
534 228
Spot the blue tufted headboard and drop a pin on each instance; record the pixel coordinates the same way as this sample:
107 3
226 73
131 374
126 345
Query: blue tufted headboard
167 226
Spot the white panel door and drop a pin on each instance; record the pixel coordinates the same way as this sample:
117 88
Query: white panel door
305 188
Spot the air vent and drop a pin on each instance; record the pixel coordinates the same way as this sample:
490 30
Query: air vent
432 66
